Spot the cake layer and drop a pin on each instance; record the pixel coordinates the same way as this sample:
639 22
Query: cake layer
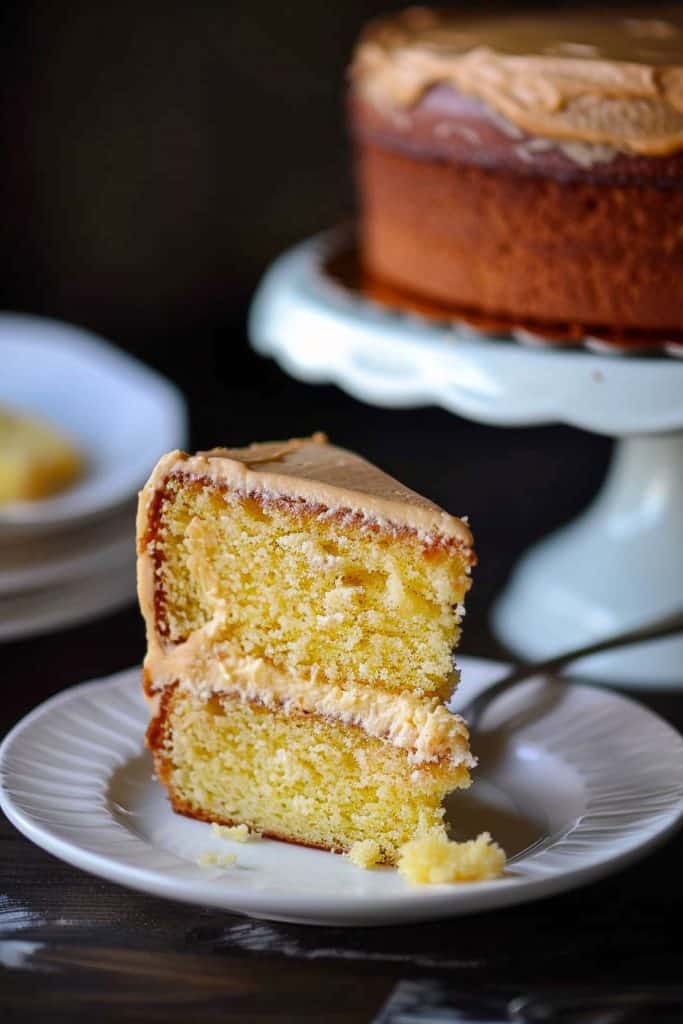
294 776
520 246
322 582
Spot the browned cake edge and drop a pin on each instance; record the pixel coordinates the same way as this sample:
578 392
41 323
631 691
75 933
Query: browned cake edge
523 247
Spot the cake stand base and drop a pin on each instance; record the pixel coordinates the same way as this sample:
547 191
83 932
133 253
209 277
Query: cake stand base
619 563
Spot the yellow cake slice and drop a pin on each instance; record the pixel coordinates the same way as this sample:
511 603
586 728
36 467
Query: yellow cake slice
301 609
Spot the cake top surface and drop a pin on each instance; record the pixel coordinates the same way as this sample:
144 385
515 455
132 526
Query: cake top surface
610 78
319 473
656 39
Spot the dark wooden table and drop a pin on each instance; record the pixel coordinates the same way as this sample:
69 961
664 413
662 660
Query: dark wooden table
76 948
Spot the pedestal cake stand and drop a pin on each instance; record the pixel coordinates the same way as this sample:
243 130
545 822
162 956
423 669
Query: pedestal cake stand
621 561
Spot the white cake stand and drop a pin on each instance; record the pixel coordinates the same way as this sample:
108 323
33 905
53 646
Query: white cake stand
621 561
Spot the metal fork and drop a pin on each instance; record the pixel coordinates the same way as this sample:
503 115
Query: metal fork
665 626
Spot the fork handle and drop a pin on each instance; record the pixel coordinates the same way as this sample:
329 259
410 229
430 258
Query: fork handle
665 626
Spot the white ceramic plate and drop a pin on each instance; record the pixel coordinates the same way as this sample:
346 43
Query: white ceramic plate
35 612
575 782
122 415
68 555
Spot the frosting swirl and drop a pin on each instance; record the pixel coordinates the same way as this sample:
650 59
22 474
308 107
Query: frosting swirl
606 79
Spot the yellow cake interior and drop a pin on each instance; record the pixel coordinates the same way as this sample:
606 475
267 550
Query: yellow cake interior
309 592
296 776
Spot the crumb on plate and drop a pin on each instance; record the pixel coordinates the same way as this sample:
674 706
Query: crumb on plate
239 833
209 858
432 858
366 853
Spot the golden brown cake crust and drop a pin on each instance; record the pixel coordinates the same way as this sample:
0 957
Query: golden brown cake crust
524 247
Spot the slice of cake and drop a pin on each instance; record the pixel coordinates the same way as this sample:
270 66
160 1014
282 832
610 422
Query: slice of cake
302 608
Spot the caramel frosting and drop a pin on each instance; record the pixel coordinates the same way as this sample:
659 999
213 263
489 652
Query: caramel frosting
424 728
312 470
610 80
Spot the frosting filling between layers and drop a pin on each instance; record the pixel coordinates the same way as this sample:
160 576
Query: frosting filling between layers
425 728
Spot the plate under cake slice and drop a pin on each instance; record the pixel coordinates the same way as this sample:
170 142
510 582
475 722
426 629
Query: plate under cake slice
301 609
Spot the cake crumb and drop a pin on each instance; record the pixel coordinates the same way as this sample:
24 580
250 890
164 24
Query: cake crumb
209 858
366 853
239 833
432 858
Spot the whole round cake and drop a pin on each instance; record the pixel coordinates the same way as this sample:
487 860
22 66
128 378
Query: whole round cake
529 167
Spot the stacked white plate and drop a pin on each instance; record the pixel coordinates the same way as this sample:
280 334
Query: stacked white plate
71 557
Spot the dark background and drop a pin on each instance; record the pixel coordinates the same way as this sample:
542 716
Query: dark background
156 157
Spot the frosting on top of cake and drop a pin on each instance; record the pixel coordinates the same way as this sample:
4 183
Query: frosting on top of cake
318 473
612 79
